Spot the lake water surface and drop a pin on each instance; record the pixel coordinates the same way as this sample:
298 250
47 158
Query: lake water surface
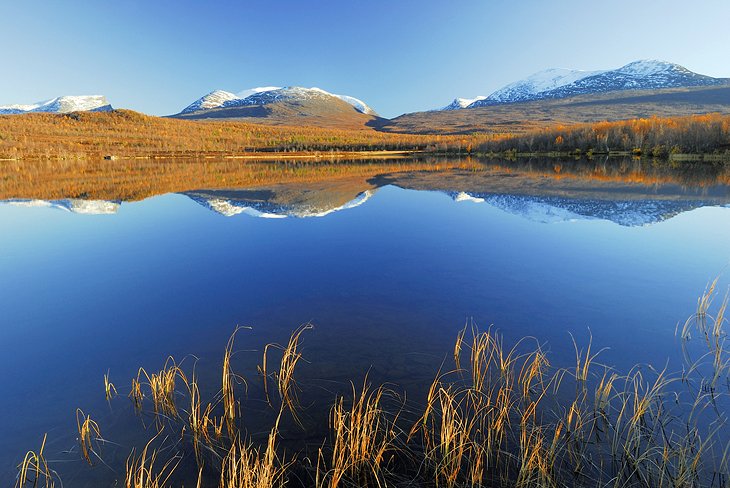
386 267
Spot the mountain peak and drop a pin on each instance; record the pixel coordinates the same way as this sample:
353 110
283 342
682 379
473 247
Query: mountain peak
459 103
540 82
258 89
269 94
645 74
214 99
651 66
63 104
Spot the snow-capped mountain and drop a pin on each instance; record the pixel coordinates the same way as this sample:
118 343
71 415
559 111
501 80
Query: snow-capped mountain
213 99
359 105
268 95
562 83
462 103
62 105
258 89
541 82
73 205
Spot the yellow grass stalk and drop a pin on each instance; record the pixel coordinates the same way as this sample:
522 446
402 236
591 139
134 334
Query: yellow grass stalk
248 467
110 390
231 407
136 394
457 347
362 435
34 469
142 472
286 384
89 435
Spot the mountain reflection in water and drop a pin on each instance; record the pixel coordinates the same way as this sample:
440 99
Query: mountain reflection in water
628 193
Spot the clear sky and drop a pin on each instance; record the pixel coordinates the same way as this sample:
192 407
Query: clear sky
157 56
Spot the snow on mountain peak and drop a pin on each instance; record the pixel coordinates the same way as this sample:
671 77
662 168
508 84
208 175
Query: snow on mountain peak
214 99
462 102
64 104
542 81
359 105
292 92
647 74
268 94
646 67
259 89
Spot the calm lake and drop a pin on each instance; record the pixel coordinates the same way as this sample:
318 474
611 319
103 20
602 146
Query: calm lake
388 267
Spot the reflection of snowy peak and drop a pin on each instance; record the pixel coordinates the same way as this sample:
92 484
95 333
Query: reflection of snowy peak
74 205
262 208
551 209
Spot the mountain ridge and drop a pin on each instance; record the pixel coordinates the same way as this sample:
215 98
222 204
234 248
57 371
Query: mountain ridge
557 83
61 105
268 95
284 106
645 88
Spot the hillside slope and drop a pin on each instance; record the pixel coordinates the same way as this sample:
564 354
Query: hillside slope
523 116
285 106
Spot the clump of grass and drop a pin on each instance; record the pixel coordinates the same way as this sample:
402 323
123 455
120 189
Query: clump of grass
604 391
466 417
286 385
144 470
504 416
583 362
162 387
89 435
136 395
711 326
362 435
199 421
231 407
34 470
206 429
110 390
246 466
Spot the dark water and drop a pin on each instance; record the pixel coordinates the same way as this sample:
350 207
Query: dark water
386 268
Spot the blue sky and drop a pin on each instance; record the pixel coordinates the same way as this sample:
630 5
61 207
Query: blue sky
397 55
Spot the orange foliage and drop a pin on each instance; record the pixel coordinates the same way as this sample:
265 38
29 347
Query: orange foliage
698 134
124 133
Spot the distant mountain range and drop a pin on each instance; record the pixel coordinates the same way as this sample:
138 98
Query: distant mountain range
62 105
563 83
638 89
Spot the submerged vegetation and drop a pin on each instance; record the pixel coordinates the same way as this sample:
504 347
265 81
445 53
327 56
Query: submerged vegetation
495 415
